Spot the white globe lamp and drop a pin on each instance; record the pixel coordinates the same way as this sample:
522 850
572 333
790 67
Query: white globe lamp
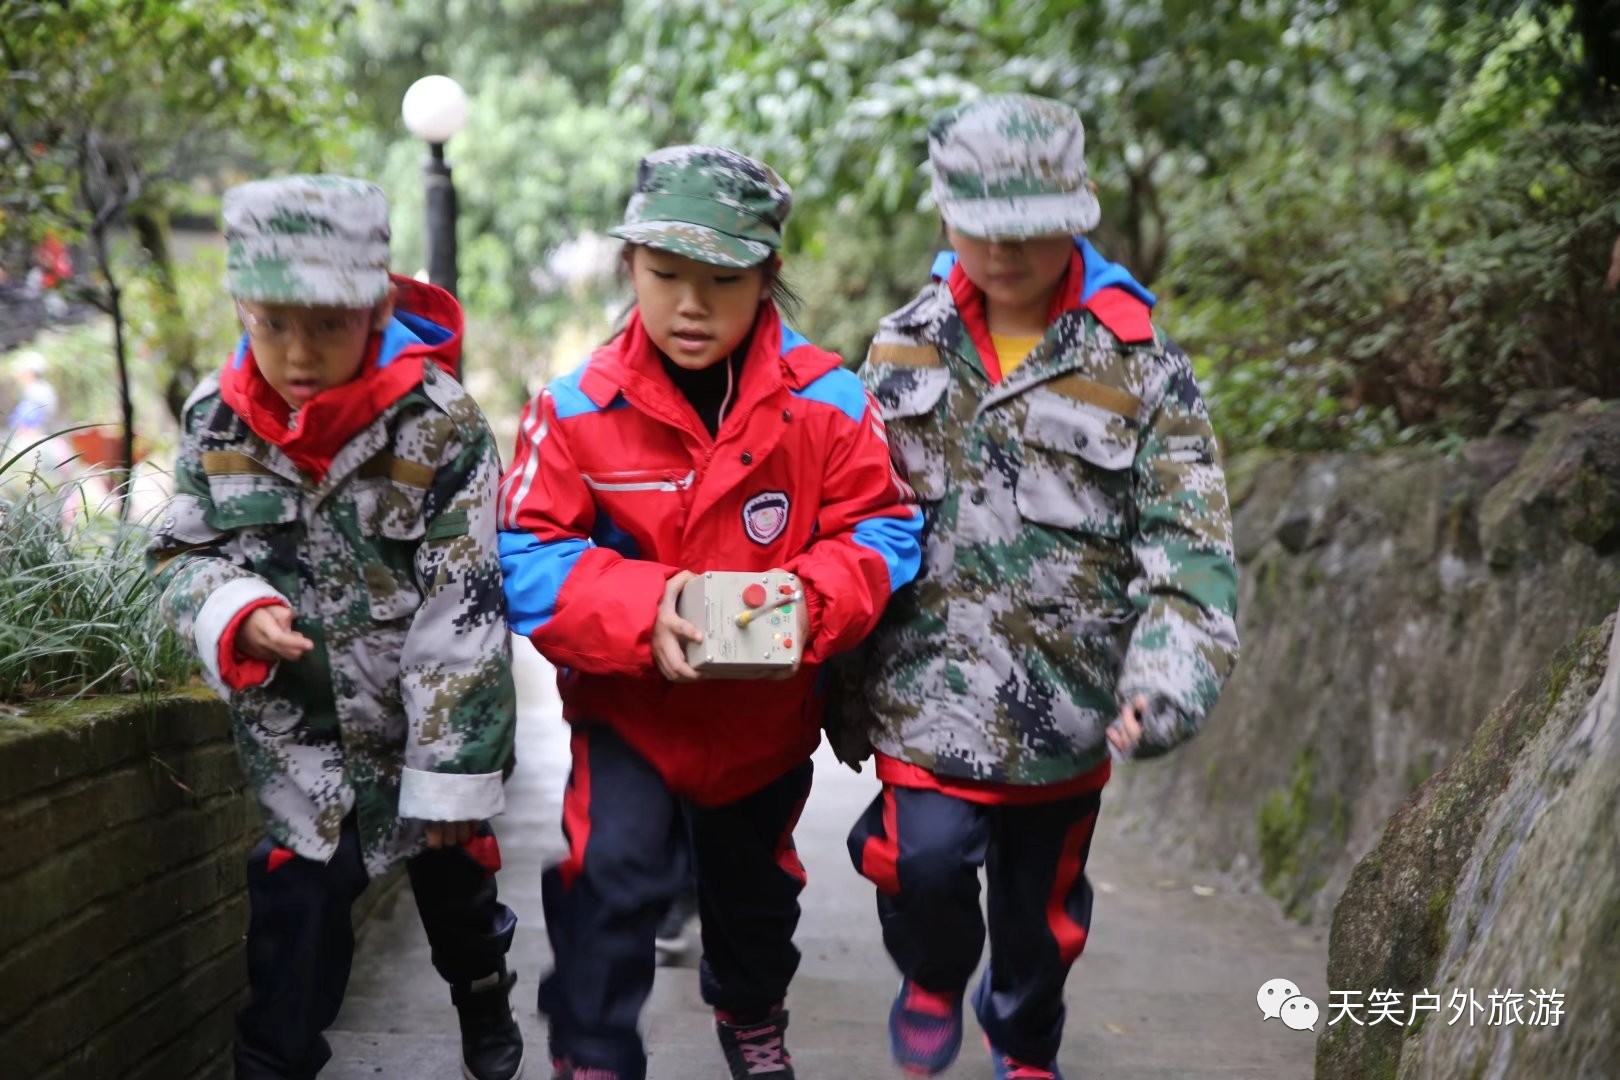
435 108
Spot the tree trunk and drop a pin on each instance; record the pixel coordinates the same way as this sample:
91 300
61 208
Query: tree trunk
125 401
115 308
178 343
1598 23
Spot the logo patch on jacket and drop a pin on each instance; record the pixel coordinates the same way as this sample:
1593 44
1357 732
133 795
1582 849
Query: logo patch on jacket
765 516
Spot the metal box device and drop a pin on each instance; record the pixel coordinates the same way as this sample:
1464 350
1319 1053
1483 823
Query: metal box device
750 623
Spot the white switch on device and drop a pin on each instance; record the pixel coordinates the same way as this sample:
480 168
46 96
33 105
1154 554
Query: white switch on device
750 623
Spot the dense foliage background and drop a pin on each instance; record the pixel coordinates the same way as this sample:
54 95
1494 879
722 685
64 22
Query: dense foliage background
1370 222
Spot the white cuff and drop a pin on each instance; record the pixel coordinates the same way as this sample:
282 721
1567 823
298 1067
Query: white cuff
436 796
222 606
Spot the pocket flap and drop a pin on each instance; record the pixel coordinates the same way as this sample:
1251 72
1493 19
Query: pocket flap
907 392
185 521
390 509
1100 437
246 500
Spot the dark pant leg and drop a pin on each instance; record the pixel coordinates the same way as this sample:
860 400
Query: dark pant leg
1040 914
923 850
627 855
300 945
468 928
749 878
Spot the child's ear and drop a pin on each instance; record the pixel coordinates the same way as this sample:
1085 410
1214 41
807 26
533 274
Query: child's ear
383 313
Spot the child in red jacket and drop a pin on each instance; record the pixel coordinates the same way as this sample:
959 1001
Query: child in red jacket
706 436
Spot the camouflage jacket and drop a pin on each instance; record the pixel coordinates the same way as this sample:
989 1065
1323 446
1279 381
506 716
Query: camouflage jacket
404 710
1077 542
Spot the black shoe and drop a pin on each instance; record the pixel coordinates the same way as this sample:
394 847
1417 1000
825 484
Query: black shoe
491 1046
671 936
755 1049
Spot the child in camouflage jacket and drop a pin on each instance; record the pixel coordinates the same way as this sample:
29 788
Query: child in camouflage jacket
1077 594
331 556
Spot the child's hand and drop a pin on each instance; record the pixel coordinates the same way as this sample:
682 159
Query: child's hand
1126 732
267 634
670 632
443 834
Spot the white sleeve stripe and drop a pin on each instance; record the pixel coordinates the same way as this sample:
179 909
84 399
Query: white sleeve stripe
519 482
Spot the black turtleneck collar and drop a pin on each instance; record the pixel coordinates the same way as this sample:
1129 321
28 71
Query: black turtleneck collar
706 389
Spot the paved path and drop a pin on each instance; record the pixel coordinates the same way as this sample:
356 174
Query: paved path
1166 988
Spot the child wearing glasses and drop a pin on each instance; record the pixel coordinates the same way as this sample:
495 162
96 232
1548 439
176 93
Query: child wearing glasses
331 556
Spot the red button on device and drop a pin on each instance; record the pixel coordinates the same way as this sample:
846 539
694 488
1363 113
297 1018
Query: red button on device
754 595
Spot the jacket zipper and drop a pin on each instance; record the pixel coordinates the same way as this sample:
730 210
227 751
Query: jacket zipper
672 484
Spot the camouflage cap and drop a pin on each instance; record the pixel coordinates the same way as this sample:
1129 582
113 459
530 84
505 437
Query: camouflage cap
1012 166
707 203
314 240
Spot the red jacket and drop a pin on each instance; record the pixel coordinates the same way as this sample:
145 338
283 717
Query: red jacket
616 486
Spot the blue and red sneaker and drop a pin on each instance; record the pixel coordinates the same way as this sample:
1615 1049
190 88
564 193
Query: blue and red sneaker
925 1029
1010 1068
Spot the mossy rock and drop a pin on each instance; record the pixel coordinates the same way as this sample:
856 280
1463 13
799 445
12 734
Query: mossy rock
1291 839
1419 910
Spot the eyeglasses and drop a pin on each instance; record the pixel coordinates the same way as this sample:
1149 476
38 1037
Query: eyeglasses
317 331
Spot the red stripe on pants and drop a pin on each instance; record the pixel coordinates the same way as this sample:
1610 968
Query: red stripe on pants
787 856
577 809
1070 935
880 857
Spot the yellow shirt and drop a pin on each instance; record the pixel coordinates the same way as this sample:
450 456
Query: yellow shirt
1012 351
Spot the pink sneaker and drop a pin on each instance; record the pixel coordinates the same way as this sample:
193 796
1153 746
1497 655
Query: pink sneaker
925 1029
755 1049
1010 1068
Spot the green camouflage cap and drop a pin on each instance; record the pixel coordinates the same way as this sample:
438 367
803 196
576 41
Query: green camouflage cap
707 203
1012 166
311 240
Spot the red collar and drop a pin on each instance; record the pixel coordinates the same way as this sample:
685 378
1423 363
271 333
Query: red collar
334 417
631 362
328 421
1125 316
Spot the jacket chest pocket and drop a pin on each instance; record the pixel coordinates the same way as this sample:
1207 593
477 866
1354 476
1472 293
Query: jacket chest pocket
911 401
1077 466
388 517
262 515
639 502
249 503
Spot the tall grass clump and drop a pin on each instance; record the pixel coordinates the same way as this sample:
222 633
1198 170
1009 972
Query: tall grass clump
78 611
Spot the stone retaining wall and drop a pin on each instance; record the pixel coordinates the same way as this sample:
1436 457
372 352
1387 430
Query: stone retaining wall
124 828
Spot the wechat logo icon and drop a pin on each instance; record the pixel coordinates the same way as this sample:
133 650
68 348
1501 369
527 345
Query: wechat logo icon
1280 999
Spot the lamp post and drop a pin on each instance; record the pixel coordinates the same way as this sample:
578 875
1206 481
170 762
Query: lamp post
435 108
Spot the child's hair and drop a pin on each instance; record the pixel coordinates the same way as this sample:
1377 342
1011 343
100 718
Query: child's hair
783 294
786 298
